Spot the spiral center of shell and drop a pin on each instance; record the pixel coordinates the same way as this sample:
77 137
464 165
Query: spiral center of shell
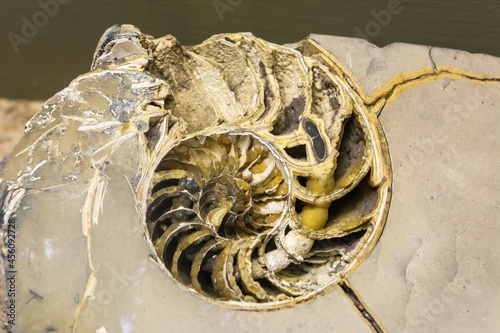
210 193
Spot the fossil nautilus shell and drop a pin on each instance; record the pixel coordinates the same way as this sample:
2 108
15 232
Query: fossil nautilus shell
282 191
261 179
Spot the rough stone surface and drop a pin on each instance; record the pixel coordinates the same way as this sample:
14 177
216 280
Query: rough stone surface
435 268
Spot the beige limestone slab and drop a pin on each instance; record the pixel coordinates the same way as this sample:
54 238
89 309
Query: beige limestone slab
436 265
373 66
435 268
473 63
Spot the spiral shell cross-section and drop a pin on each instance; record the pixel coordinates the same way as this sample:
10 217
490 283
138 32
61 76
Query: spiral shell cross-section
214 200
280 185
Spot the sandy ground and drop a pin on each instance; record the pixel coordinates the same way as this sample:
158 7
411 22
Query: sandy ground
13 116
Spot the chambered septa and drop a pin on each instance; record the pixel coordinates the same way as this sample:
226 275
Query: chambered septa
278 187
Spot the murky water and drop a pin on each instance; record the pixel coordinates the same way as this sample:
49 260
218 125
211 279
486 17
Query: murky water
62 42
